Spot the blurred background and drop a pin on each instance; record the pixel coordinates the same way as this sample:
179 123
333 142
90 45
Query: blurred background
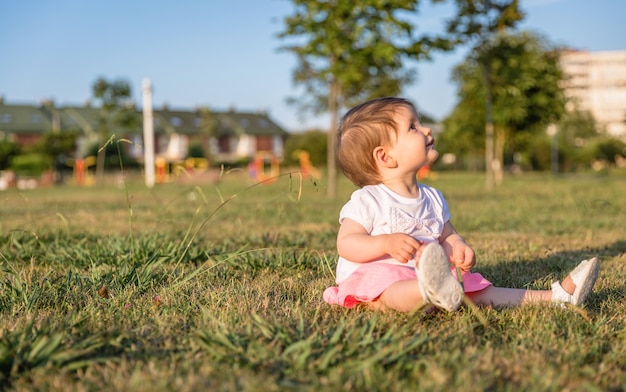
228 86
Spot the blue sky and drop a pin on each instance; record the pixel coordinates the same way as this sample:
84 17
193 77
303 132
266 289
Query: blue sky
223 54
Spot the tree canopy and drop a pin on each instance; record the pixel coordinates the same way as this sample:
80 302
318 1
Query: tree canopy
349 52
477 22
116 111
525 85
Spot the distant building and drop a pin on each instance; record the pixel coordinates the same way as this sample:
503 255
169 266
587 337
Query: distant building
226 136
596 82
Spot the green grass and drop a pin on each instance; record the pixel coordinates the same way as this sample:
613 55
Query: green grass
219 287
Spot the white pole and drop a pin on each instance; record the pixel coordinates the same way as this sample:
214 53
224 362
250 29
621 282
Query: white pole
554 148
148 133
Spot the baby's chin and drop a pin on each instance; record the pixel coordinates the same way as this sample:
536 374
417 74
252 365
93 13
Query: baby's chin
432 156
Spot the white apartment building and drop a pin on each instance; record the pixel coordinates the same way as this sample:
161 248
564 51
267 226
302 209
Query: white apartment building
596 82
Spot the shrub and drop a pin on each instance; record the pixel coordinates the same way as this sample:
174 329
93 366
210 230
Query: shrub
195 150
30 165
314 142
8 150
112 160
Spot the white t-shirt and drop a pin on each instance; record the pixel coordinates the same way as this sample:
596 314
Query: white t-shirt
381 211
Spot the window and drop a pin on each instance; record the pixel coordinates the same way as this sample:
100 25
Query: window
35 119
264 143
263 123
244 122
224 144
176 121
6 118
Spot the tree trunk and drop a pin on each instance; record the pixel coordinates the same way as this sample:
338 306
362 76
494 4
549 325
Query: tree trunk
100 166
498 163
101 157
332 140
489 153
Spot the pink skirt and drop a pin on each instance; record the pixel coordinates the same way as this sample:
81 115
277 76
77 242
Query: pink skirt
368 282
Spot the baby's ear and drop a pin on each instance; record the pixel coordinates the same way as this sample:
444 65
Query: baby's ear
382 157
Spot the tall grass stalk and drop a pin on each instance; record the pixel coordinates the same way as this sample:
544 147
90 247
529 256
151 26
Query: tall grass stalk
231 198
110 141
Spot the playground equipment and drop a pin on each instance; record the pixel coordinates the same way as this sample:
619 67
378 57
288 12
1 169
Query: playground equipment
306 168
189 167
425 172
264 167
81 166
162 170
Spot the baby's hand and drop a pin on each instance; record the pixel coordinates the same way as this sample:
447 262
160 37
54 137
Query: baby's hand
463 256
401 247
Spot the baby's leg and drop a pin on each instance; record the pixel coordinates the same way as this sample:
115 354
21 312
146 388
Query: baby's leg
574 289
403 296
508 297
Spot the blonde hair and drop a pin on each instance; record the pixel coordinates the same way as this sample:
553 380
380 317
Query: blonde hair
362 129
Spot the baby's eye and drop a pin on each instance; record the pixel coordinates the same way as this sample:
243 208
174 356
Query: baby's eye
412 127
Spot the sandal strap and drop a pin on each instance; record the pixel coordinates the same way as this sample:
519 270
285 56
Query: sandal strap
559 294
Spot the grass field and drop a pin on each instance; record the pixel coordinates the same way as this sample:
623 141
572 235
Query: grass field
219 287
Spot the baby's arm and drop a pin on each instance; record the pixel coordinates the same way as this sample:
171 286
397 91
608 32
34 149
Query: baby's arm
354 243
461 254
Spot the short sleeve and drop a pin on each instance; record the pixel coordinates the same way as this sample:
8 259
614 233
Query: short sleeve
361 208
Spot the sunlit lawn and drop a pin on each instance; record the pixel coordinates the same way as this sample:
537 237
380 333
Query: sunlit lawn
219 287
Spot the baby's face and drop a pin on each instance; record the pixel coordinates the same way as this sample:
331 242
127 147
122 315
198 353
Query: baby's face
415 145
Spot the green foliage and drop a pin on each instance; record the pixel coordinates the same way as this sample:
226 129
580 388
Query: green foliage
112 94
208 124
425 118
525 76
54 144
525 79
359 47
195 150
601 149
349 52
117 115
609 149
111 156
580 144
575 132
117 109
30 165
313 142
478 21
8 150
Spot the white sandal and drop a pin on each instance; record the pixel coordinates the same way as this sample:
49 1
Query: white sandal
584 277
438 285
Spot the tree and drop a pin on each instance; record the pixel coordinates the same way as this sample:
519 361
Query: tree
477 22
8 150
524 85
580 143
314 142
116 111
56 144
349 52
208 130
